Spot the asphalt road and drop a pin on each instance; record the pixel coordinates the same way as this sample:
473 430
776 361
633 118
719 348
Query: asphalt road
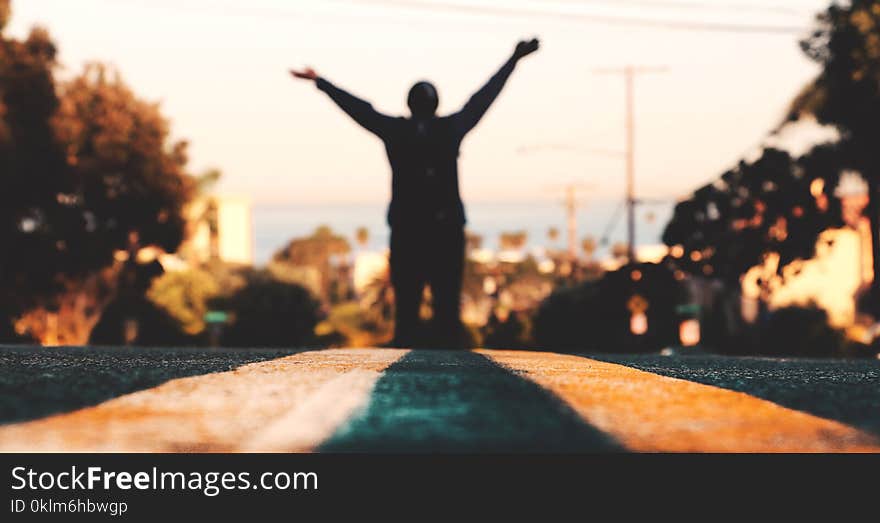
844 390
433 401
375 400
35 382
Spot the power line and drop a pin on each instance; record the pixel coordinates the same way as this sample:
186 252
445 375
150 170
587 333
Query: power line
691 5
685 25
612 223
619 20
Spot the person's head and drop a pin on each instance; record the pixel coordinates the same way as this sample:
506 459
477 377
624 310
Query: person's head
423 100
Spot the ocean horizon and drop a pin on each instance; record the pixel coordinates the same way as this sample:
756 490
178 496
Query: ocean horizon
277 224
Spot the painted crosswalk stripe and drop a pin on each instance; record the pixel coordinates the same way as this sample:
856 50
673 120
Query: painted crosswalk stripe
646 412
289 404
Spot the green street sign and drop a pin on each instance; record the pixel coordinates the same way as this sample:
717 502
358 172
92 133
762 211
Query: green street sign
216 317
692 309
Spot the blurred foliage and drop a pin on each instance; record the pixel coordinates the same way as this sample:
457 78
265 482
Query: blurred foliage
132 319
348 324
207 180
473 241
513 239
362 236
507 330
4 13
316 251
595 315
797 331
132 178
307 276
769 205
846 94
377 302
780 204
155 327
270 313
87 171
589 246
185 296
74 312
619 250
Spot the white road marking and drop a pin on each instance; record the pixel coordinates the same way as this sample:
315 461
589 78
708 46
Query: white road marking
247 409
315 419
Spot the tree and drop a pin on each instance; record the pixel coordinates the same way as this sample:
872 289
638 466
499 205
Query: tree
207 180
513 240
596 315
87 171
33 170
185 296
315 251
619 250
270 313
473 241
132 319
774 205
362 235
588 245
131 179
4 13
846 94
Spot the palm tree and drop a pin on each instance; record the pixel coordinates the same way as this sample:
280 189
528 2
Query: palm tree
362 235
619 250
473 241
588 244
514 240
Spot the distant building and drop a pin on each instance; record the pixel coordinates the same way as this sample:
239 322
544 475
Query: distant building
222 229
368 267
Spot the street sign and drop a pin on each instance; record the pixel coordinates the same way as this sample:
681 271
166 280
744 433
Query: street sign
216 317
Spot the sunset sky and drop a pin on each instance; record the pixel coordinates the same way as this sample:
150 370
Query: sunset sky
219 68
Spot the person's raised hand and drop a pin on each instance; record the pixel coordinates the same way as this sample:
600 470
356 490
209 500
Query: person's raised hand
305 74
526 47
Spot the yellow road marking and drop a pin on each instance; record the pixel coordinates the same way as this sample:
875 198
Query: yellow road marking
288 404
646 412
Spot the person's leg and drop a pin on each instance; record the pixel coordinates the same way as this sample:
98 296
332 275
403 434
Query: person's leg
408 284
445 278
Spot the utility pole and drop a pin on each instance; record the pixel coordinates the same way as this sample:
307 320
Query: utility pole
570 202
571 221
629 74
571 205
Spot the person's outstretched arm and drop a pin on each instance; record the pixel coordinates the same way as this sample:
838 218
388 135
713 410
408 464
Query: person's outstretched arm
480 102
360 111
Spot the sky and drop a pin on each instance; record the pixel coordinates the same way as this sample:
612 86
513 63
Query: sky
219 70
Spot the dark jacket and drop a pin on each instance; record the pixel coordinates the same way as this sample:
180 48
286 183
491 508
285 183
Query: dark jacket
423 153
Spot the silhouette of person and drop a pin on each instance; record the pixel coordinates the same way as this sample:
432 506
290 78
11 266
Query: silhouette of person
426 214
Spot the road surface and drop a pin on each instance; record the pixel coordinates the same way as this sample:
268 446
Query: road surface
389 400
